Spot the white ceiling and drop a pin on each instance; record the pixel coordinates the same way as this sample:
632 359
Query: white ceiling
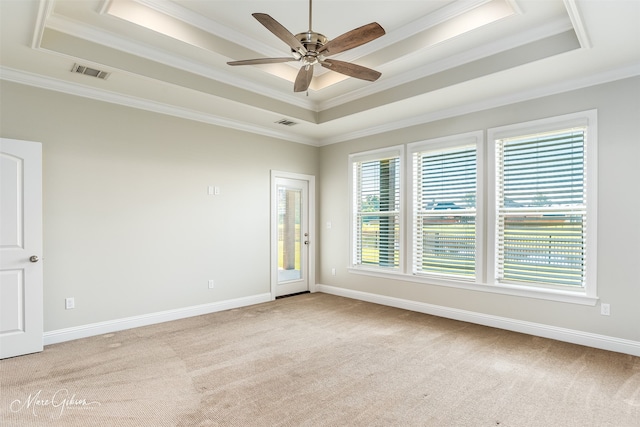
173 60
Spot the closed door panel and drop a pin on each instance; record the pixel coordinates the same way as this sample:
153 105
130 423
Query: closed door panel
21 316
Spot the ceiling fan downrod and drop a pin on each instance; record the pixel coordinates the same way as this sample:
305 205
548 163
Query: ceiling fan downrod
311 41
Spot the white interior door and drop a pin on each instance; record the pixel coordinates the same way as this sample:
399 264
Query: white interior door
291 231
21 307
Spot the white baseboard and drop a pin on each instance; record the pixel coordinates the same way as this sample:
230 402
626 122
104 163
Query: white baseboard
84 331
603 342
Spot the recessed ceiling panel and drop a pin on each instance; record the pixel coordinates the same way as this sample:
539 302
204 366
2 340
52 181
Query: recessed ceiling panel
171 56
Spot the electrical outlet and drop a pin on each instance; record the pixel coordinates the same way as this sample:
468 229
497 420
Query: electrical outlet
211 283
605 309
69 303
333 271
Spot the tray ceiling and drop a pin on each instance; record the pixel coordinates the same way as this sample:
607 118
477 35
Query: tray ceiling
437 58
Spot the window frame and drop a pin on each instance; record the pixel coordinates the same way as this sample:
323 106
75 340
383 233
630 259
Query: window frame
374 155
449 142
587 119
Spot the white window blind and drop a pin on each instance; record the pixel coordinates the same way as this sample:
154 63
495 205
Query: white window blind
542 209
444 219
377 212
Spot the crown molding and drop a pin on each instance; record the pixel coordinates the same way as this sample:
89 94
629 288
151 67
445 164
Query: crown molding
413 28
526 95
60 23
45 9
208 25
426 22
548 30
105 38
57 85
185 15
578 24
189 17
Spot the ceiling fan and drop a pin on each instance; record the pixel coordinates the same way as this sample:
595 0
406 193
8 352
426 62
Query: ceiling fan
312 48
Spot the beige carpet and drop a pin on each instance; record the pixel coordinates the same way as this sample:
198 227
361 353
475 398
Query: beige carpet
319 360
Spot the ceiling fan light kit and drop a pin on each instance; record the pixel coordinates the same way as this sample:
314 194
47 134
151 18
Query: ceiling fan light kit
311 48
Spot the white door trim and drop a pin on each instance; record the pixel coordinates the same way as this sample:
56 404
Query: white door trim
311 271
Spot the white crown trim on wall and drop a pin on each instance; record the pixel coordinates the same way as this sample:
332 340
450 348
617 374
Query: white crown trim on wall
116 98
548 30
566 86
56 85
104 38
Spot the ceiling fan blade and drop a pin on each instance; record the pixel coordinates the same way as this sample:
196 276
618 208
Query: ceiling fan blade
262 61
351 70
303 79
353 38
280 31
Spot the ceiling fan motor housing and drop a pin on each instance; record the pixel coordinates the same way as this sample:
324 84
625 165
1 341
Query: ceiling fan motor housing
312 41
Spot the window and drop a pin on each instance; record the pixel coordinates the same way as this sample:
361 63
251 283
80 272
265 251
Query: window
513 215
542 208
544 214
376 218
444 206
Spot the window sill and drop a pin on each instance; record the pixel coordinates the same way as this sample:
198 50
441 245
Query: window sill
514 290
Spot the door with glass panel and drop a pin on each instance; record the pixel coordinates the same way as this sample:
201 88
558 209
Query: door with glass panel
291 220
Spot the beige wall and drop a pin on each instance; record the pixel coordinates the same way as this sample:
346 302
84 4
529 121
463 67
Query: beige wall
128 226
130 230
618 106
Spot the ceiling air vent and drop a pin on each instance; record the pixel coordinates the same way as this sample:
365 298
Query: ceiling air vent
286 122
88 71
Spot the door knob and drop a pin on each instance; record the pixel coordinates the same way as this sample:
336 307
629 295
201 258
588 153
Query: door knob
34 258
